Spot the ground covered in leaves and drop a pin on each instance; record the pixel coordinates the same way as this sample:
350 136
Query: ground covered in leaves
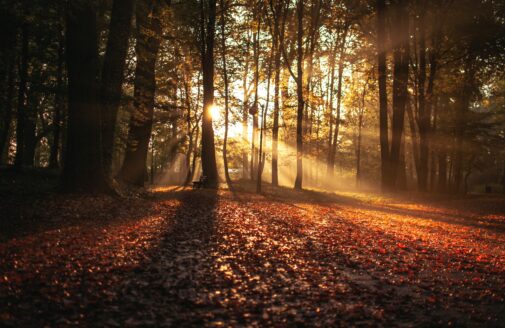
219 258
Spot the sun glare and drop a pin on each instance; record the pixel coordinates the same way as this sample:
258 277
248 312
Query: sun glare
215 112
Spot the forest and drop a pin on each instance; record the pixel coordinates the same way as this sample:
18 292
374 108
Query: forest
252 163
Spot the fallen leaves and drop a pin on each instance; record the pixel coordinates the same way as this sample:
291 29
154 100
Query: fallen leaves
197 258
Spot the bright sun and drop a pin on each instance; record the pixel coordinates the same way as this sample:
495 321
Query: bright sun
215 112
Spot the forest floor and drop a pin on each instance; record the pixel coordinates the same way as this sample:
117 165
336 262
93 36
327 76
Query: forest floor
180 257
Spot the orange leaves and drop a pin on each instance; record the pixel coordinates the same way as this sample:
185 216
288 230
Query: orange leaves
206 259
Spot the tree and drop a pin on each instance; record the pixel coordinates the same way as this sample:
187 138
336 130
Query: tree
299 93
149 32
83 170
207 30
21 108
113 73
226 94
383 98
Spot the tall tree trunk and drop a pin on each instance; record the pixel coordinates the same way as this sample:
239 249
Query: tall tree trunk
264 112
400 91
424 111
358 151
254 108
299 94
315 15
331 159
209 167
193 139
413 134
6 111
113 73
149 32
83 169
29 134
21 109
226 96
245 111
58 105
333 150
383 98
278 19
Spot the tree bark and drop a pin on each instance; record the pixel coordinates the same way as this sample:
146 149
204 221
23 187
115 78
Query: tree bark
58 105
299 94
209 167
113 74
254 109
400 91
226 96
333 150
83 169
21 107
6 111
279 18
149 32
245 110
424 111
383 98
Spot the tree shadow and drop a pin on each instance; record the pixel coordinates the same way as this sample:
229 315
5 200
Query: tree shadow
169 281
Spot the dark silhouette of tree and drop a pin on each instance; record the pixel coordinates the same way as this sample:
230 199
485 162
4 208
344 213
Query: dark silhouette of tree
207 26
83 170
149 32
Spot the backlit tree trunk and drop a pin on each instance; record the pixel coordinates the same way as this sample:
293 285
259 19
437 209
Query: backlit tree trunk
400 91
149 32
299 94
226 96
113 72
209 167
383 98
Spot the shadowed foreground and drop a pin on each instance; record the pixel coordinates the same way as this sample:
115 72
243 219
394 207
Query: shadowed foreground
192 258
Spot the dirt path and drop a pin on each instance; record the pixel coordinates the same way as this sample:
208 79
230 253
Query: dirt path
193 258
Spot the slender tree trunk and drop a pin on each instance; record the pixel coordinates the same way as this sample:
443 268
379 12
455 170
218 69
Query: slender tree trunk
254 109
315 14
278 39
189 132
149 31
424 112
358 151
7 109
21 108
331 159
383 98
113 73
209 167
264 112
299 93
341 63
58 105
226 96
442 171
462 105
413 134
245 112
29 134
83 170
400 91
193 139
